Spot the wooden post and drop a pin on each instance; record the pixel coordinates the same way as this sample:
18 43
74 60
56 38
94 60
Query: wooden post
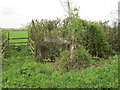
72 46
35 50
28 38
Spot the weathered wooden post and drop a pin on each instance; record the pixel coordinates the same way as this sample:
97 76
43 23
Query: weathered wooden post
28 38
72 45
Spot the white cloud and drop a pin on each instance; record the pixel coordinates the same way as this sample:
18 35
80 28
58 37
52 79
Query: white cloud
97 9
13 13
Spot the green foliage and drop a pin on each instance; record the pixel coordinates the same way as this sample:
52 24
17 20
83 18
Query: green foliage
112 34
21 71
82 55
4 34
63 60
74 66
92 36
87 36
97 43
80 71
94 77
81 59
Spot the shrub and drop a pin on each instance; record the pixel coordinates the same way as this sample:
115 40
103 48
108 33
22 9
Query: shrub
81 59
97 43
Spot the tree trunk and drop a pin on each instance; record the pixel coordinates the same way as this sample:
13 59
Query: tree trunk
72 46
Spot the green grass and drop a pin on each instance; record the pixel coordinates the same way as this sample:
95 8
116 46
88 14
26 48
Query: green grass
21 71
18 34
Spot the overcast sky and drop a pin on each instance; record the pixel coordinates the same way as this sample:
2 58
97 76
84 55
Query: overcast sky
17 13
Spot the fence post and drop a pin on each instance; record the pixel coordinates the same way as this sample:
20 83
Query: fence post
35 51
28 38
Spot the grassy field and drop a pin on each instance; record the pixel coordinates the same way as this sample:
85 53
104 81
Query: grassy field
18 34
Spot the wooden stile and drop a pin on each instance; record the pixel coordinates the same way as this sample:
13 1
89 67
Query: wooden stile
18 38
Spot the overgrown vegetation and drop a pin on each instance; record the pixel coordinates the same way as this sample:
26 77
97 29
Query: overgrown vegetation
87 41
20 71
112 34
92 65
85 55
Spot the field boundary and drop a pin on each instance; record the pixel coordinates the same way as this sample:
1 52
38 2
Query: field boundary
6 42
31 45
18 42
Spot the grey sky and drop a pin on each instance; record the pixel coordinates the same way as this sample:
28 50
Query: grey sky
17 13
119 11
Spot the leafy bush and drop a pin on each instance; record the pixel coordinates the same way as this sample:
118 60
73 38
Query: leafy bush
81 58
82 55
97 43
92 36
111 33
